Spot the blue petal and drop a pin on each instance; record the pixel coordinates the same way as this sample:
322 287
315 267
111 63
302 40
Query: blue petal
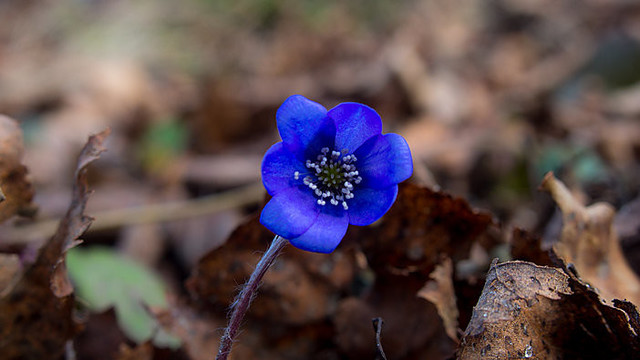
290 212
355 124
278 168
384 160
304 127
400 157
326 233
368 205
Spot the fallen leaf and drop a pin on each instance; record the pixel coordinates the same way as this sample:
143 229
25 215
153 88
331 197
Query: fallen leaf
413 330
440 292
539 312
298 288
74 223
589 242
36 316
421 226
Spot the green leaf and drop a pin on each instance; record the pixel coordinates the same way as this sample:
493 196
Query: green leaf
105 279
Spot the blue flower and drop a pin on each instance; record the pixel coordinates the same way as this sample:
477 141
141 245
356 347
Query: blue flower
331 169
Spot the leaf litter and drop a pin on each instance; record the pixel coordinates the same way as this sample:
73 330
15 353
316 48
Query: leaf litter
487 99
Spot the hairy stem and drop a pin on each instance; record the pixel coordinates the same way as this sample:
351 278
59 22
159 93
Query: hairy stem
246 295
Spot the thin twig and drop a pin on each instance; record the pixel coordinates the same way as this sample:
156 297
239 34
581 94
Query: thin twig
377 327
248 292
154 213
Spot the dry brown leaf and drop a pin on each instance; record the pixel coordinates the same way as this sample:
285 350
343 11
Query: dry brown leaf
590 243
403 250
74 223
297 289
413 328
36 316
422 225
530 311
440 292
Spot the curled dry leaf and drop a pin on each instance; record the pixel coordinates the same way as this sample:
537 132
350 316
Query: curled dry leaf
538 312
16 188
590 242
36 315
440 292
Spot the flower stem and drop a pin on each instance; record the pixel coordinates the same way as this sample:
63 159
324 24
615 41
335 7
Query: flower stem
247 294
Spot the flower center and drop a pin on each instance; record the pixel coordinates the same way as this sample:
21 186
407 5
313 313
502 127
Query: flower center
332 177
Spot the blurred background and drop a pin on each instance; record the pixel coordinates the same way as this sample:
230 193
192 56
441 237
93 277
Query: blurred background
490 95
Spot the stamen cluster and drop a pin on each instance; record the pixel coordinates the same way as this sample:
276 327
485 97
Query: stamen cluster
332 177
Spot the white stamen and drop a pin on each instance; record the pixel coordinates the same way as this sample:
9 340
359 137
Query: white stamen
334 177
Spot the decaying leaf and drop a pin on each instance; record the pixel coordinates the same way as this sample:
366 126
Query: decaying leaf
422 225
296 290
36 316
413 330
589 242
538 312
440 292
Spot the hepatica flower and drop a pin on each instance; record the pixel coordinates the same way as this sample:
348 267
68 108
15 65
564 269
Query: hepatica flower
331 169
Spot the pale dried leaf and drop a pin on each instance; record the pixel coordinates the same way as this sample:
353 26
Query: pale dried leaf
441 293
590 242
